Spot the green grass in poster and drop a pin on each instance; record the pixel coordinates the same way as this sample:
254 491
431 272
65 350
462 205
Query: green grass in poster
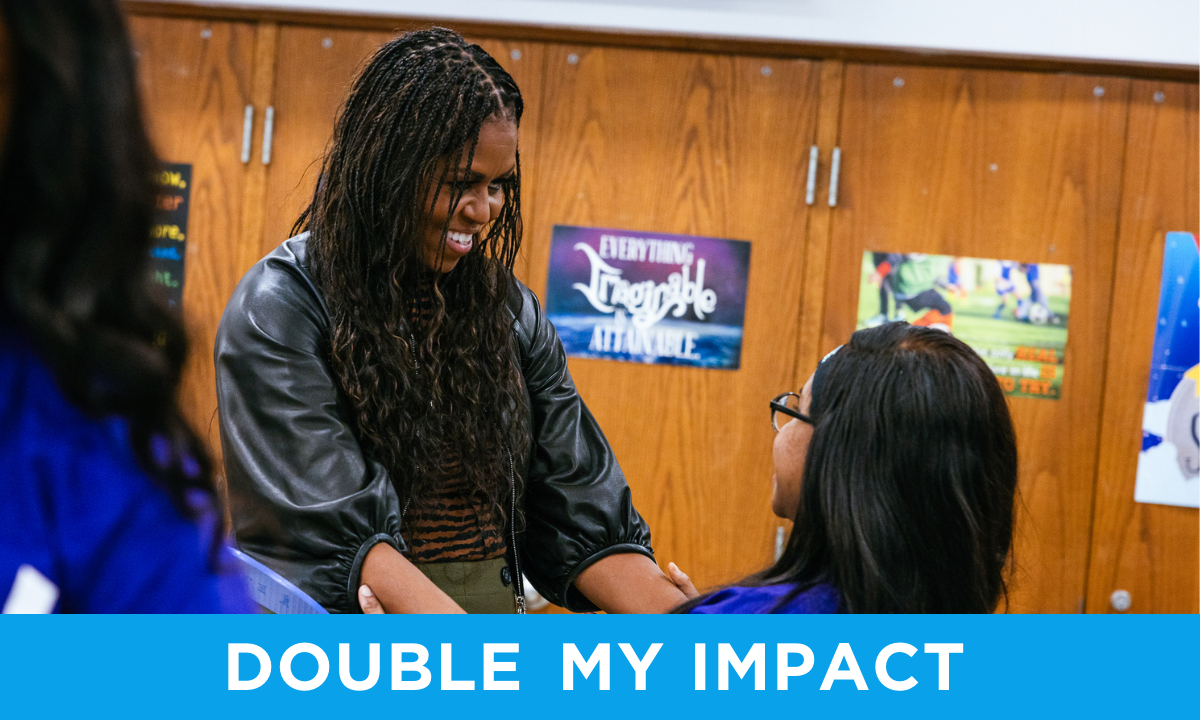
1014 315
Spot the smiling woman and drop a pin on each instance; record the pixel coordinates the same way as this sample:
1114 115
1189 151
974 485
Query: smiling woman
395 409
450 232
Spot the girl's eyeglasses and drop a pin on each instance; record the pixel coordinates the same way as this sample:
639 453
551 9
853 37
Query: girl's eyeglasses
787 404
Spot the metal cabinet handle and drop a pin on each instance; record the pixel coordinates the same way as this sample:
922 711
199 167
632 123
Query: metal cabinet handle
268 134
834 170
247 129
810 192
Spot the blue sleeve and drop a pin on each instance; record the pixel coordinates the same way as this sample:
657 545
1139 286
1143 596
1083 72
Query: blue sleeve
125 548
736 600
76 506
821 598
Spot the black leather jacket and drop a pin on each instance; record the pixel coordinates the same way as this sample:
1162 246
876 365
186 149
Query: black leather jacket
308 503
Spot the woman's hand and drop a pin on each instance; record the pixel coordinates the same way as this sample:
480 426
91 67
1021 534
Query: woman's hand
681 580
369 603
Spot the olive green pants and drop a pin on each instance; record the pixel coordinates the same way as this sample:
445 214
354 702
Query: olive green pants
478 587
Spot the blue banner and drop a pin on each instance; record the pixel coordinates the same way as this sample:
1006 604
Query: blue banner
420 666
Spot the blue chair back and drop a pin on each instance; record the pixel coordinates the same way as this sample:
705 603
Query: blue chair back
274 592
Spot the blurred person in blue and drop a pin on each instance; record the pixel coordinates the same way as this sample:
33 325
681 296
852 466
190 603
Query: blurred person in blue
1035 308
1005 287
954 282
897 463
107 502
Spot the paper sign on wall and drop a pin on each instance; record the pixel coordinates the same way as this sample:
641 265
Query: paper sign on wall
648 297
1169 464
172 187
1013 314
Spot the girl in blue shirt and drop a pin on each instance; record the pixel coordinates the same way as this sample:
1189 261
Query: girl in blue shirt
106 500
897 463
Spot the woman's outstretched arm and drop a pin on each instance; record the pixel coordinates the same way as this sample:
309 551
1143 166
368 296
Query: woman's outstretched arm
400 587
629 583
579 511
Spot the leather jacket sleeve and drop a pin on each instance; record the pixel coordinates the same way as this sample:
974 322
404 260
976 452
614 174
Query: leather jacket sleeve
578 507
304 499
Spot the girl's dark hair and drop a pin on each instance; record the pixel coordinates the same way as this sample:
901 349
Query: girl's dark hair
906 502
76 178
449 386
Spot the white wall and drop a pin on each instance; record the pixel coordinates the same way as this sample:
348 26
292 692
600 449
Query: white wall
1154 31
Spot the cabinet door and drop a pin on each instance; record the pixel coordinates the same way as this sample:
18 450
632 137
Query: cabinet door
314 72
698 144
195 83
1150 551
1018 166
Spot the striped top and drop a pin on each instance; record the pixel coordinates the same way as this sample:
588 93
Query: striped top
454 523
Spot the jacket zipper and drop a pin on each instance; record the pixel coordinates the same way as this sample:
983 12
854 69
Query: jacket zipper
519 580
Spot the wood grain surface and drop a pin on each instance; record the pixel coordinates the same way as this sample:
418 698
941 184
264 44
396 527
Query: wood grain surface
195 83
254 198
697 144
1004 165
1151 551
314 70
820 218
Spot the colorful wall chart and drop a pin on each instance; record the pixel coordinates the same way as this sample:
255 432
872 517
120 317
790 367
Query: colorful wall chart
1013 314
648 297
1169 465
173 188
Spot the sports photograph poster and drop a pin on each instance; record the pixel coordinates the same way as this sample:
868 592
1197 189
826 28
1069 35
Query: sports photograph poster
648 297
1013 314
1169 463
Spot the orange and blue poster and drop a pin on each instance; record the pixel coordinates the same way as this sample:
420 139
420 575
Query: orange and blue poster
1014 314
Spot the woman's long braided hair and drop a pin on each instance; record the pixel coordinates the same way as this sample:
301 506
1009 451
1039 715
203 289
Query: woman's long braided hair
449 384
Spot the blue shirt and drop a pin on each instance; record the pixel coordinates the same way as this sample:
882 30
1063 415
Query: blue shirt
76 507
821 598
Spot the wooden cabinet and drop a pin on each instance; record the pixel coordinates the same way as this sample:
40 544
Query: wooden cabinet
1150 551
313 72
713 145
1057 168
196 81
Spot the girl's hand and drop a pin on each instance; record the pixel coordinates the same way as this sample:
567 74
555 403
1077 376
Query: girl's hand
368 602
682 581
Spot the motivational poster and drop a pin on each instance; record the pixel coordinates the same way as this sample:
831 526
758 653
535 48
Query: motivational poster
648 297
172 186
1169 464
1014 314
